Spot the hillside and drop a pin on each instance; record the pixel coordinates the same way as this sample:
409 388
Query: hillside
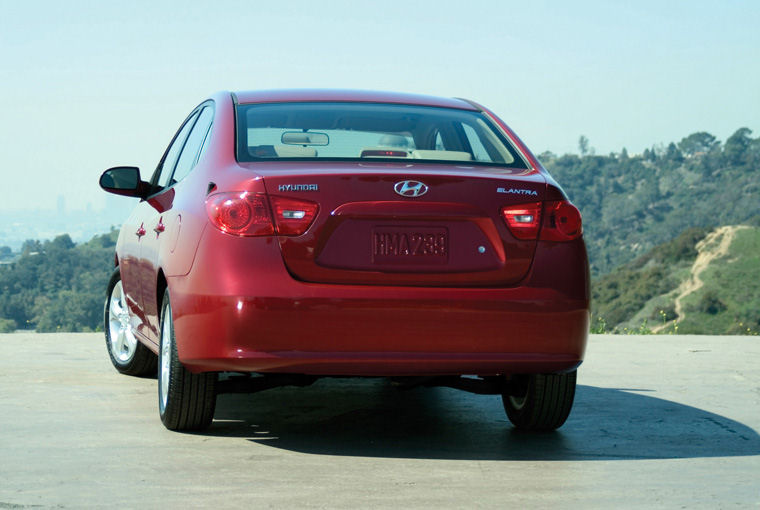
630 204
57 285
704 281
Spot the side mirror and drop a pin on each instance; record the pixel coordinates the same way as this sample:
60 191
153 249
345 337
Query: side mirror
124 180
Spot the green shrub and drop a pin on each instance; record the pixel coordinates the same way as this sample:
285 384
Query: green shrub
7 326
710 303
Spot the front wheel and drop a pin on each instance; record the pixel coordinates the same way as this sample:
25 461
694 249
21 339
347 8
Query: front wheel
127 354
540 402
186 401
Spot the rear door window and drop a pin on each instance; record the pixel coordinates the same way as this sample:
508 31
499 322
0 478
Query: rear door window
166 168
191 151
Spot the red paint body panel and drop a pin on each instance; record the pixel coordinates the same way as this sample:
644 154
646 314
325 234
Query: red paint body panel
270 304
325 253
230 318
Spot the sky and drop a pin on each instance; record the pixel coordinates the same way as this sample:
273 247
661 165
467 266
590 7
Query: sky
91 85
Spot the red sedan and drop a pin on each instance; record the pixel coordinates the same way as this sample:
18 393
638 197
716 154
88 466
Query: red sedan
290 235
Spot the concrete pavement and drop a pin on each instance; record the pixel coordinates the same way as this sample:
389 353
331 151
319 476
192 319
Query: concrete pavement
659 421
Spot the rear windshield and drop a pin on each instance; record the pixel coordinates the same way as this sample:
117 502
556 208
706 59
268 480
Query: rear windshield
357 131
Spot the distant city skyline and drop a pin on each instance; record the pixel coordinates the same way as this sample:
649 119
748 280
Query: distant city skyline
62 205
90 85
80 225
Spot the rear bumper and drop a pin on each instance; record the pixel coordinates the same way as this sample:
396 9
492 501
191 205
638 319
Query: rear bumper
229 317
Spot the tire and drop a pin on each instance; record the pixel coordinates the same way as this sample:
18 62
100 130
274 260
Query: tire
542 401
186 401
127 354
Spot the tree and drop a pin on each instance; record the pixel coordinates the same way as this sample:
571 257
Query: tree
698 144
735 148
31 246
753 153
61 243
546 156
673 154
583 145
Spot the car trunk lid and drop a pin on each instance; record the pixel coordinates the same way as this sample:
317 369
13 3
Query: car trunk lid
402 224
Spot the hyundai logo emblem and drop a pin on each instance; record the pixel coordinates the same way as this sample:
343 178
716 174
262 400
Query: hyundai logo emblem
410 188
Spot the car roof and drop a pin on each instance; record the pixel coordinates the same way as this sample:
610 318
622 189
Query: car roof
337 95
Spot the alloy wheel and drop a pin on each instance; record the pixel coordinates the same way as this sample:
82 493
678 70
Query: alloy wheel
166 349
122 340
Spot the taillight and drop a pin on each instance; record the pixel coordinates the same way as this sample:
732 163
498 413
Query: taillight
292 217
562 222
240 213
559 220
523 220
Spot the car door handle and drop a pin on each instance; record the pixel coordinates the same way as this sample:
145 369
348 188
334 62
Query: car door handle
140 232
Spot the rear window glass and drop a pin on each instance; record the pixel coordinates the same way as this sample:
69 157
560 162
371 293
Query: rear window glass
368 130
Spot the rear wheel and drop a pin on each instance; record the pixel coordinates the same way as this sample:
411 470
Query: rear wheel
127 354
186 401
540 402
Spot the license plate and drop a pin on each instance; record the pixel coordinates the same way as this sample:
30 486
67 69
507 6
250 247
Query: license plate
410 245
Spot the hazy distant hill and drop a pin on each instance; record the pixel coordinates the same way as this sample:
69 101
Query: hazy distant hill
704 281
